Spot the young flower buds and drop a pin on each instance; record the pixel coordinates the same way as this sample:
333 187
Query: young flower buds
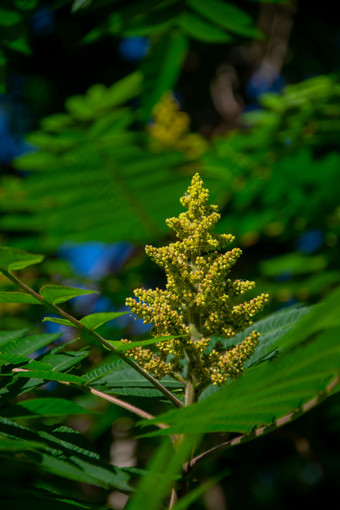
197 301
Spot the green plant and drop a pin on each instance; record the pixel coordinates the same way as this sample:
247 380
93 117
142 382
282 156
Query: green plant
14 16
197 301
290 370
112 175
98 149
84 151
171 28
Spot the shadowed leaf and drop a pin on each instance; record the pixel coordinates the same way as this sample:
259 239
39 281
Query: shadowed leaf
59 294
12 259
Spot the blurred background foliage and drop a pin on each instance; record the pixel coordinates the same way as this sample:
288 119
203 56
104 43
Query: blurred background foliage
107 109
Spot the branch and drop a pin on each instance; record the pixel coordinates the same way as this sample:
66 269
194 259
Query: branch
126 405
111 399
54 308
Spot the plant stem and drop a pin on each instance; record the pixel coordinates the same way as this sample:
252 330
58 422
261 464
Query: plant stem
191 395
55 309
191 464
109 398
173 499
191 391
125 405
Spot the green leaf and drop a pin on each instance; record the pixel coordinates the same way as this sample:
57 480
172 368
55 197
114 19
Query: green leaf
133 391
72 444
56 294
56 122
271 328
29 344
61 361
6 336
125 89
135 198
65 453
201 30
26 5
104 369
164 469
122 346
227 15
167 56
12 259
99 98
126 376
322 316
124 380
38 161
18 297
37 369
87 471
13 445
95 320
44 407
267 395
49 375
294 263
58 320
79 107
92 321
63 468
9 18
10 358
20 44
56 206
13 387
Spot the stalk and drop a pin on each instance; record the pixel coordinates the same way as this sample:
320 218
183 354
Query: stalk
196 303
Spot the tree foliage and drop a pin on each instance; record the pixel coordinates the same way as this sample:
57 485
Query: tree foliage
125 101
296 368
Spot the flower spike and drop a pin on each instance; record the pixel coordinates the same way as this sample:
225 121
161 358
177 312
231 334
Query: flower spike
197 301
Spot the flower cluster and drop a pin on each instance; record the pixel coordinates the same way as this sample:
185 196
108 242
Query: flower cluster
170 129
198 299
